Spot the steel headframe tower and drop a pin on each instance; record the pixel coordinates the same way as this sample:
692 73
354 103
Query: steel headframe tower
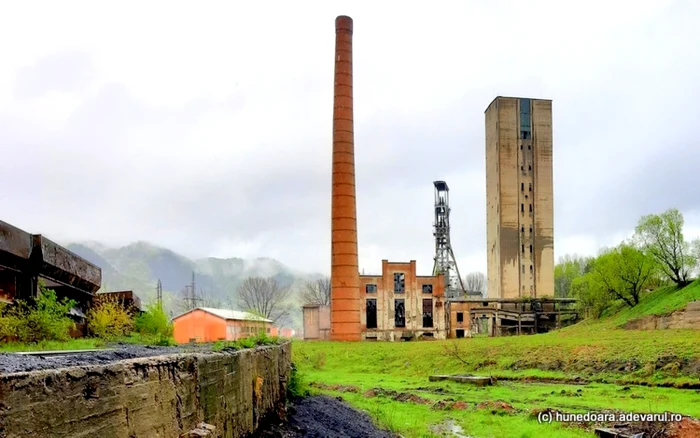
445 262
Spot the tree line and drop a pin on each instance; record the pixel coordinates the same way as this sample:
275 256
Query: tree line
657 254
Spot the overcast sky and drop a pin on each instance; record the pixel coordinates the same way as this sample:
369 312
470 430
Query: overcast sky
206 127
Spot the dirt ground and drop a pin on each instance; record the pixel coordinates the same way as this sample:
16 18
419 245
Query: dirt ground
323 417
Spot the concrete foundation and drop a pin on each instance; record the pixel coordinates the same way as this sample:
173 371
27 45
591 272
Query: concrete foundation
164 396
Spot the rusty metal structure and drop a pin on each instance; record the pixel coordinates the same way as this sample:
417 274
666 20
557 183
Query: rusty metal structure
26 259
445 262
345 276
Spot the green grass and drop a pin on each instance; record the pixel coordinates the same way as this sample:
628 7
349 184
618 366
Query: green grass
662 301
596 351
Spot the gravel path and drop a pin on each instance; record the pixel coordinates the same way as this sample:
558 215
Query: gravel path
14 363
323 417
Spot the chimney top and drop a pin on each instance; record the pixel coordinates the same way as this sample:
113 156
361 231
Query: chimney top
343 22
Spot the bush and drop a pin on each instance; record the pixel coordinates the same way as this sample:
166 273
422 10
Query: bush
108 319
296 387
155 322
45 319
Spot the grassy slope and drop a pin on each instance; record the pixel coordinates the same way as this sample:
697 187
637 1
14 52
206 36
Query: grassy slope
662 301
591 349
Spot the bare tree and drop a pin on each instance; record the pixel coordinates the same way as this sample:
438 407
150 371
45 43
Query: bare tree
475 281
265 296
317 291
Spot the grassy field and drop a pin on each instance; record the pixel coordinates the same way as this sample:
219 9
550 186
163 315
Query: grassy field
614 362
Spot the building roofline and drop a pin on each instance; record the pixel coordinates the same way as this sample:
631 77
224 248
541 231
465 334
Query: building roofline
205 309
514 97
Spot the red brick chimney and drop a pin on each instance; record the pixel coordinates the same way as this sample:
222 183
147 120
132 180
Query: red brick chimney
345 277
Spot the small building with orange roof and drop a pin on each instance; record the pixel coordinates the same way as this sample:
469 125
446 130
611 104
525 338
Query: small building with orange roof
206 324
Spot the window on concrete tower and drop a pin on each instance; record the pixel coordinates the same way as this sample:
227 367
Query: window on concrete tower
530 208
522 187
529 147
530 248
530 187
522 208
523 248
522 229
529 167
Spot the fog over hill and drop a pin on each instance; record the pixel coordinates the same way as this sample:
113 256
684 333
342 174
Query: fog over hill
139 266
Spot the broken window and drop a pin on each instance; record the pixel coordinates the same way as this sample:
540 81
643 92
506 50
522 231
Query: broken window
428 312
460 317
529 147
399 313
529 167
531 228
399 283
372 313
371 288
427 288
521 147
460 333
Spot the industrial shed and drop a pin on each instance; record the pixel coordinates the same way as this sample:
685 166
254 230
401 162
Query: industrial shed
206 324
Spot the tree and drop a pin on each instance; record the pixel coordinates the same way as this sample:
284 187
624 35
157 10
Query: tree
264 296
475 281
662 237
593 297
317 291
569 268
624 272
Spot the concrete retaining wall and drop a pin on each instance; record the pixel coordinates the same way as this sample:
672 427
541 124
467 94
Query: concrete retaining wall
686 318
164 396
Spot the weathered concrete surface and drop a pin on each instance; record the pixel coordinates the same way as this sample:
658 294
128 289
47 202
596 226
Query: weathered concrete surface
519 198
686 318
164 396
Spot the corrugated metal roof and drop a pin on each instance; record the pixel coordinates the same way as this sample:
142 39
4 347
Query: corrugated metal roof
230 314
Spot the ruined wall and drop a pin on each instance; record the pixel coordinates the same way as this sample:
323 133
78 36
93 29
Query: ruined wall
163 396
413 297
686 318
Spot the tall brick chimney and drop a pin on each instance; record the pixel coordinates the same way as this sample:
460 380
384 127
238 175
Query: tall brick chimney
345 277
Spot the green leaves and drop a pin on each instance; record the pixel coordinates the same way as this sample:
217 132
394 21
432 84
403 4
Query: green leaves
662 237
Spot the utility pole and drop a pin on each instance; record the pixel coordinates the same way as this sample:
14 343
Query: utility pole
159 294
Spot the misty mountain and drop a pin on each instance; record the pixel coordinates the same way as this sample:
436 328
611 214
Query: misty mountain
140 265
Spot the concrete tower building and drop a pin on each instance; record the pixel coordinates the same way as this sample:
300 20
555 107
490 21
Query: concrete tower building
345 274
519 198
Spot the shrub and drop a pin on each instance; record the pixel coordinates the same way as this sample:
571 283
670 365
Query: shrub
108 319
296 386
154 322
44 319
